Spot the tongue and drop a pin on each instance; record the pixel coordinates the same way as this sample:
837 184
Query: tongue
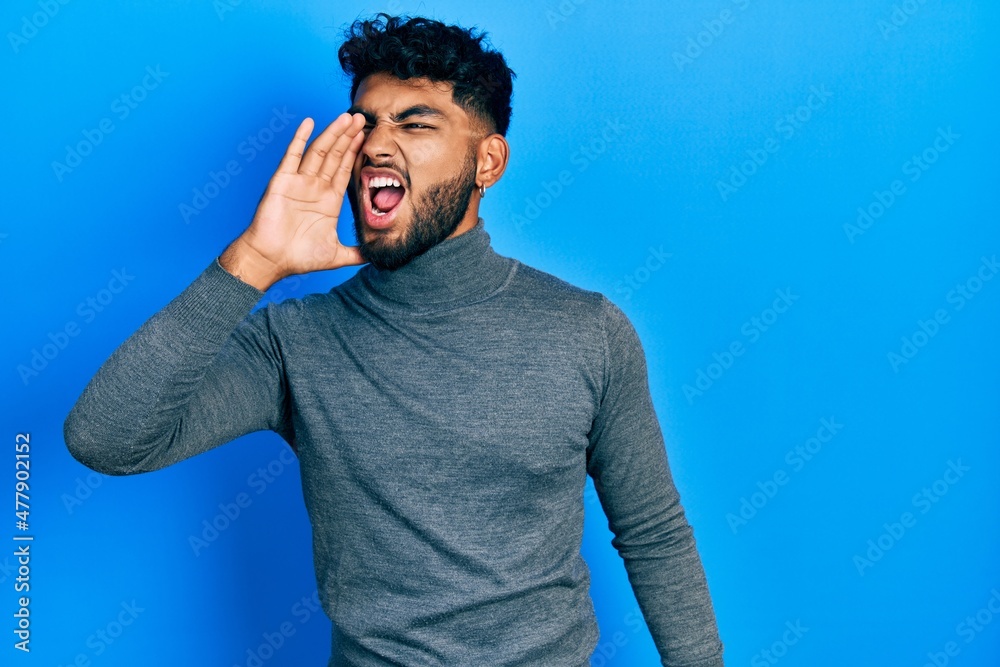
388 197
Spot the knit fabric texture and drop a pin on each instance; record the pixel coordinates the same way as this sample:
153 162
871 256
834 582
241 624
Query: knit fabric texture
445 416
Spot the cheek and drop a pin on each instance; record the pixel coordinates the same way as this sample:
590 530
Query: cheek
427 155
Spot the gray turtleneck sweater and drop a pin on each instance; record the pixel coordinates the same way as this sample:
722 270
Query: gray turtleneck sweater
446 416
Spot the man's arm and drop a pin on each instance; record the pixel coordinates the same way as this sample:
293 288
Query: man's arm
627 460
196 375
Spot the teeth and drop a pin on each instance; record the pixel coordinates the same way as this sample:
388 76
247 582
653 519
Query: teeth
383 181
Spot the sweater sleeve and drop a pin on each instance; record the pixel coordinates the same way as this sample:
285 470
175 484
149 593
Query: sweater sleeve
200 372
627 459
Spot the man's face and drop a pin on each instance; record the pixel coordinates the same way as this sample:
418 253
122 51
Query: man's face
415 173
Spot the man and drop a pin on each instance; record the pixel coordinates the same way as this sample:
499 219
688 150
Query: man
446 403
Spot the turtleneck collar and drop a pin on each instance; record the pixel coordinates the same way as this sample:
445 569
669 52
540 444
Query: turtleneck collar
458 271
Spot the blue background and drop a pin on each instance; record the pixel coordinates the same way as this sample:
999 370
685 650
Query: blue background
647 108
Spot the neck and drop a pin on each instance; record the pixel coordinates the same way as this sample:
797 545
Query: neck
458 271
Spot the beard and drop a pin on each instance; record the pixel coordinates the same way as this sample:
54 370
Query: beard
434 217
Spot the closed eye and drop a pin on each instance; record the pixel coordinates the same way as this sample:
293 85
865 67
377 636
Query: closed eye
412 126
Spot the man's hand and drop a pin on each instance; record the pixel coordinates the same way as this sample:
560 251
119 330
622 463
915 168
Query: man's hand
295 228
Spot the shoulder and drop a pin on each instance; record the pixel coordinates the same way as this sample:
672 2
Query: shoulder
595 306
545 288
291 314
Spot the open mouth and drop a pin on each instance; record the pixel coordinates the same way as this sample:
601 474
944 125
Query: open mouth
384 195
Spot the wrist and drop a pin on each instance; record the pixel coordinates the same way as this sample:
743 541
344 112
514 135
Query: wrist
245 263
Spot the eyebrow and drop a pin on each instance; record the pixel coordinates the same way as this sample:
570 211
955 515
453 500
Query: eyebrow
415 110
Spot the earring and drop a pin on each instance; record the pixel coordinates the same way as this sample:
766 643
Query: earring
482 191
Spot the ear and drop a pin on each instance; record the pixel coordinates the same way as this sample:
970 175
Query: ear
491 158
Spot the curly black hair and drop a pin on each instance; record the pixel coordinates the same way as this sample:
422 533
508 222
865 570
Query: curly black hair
419 47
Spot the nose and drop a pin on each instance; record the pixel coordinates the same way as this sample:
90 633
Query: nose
379 144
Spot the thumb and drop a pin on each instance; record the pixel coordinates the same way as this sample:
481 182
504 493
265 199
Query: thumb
349 255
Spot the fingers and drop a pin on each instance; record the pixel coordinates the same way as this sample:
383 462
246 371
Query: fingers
293 154
343 151
341 175
321 145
